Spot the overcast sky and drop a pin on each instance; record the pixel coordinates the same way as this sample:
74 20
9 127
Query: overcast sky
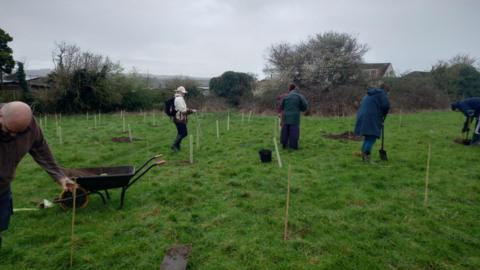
208 37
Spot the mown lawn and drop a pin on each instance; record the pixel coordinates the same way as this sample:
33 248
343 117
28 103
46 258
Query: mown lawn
344 214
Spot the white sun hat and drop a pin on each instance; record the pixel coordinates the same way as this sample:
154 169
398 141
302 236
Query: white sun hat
181 89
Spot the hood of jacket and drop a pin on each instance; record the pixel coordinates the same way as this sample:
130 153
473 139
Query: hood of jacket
374 91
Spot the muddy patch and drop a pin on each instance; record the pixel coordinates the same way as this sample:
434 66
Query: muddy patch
462 141
176 257
347 135
184 162
121 139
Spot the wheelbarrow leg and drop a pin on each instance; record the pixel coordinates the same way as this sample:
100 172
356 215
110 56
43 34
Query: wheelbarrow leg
122 197
101 196
107 194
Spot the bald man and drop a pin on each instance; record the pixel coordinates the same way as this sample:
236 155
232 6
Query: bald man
19 135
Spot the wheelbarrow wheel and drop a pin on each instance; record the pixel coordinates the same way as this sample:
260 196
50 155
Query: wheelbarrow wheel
66 199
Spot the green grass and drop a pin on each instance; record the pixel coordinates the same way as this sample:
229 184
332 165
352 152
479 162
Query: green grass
343 214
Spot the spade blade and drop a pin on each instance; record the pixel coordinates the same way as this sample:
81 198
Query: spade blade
383 154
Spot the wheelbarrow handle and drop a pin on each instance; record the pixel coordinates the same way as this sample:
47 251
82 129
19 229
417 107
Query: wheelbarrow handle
158 162
145 164
135 178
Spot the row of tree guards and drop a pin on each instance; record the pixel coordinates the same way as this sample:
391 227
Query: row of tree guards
97 119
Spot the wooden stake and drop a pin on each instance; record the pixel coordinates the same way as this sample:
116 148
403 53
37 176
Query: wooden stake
275 127
243 117
400 122
56 124
72 237
287 203
197 143
425 201
228 121
123 129
191 149
278 153
87 115
218 132
130 133
60 134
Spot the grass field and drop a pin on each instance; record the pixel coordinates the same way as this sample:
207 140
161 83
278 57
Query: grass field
344 214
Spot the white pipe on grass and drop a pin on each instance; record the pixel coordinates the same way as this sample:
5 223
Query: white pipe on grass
218 132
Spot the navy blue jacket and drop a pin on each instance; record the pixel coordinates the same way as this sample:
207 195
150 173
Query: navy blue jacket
373 110
470 106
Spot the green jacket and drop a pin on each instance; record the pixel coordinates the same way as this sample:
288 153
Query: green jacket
292 105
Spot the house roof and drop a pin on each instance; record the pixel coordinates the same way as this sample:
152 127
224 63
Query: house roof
382 67
416 74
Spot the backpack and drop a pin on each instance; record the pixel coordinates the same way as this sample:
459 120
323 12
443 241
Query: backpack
169 107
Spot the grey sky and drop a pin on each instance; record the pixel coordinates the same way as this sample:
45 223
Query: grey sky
208 37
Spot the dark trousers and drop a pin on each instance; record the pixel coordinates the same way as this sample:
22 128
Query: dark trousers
290 135
181 133
368 143
6 210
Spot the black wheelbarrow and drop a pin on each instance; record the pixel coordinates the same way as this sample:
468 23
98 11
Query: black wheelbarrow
101 179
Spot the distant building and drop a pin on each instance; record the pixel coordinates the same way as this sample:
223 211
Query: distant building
35 83
375 71
205 90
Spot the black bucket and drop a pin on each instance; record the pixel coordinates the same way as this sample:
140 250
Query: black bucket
265 155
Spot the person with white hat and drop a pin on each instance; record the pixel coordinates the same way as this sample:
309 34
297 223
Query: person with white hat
180 118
